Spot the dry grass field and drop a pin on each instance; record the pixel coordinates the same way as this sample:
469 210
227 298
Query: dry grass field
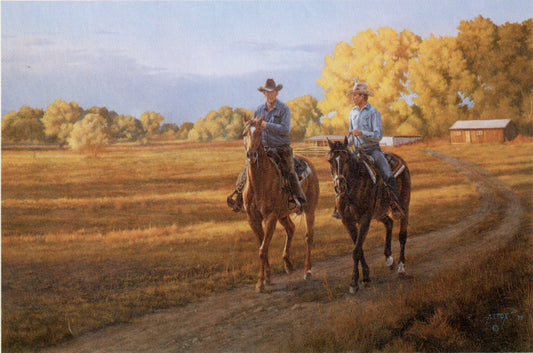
87 243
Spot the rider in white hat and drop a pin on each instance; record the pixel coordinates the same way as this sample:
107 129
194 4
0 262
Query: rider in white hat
365 132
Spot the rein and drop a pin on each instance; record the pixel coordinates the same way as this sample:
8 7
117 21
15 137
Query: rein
340 177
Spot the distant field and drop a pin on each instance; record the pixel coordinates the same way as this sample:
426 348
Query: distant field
91 242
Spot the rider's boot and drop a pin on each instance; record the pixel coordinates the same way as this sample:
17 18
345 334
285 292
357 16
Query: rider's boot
396 205
298 195
336 214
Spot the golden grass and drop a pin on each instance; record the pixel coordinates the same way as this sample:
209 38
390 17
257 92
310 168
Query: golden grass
92 242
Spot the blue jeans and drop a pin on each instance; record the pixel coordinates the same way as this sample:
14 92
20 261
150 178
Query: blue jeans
381 162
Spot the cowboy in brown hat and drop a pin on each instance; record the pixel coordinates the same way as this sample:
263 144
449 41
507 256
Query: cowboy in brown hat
276 127
365 133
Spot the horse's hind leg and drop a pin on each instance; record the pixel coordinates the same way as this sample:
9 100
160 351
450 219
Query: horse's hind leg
388 222
365 269
309 236
288 224
403 239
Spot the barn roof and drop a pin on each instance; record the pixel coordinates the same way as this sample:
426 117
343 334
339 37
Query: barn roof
333 137
325 137
480 124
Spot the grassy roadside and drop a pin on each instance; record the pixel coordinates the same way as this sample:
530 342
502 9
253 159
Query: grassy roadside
87 243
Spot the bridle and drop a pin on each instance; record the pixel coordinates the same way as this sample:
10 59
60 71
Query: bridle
339 180
252 154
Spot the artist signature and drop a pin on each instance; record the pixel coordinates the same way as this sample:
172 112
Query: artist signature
497 320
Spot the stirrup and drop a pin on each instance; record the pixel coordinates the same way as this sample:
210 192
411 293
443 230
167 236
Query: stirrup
233 204
397 210
295 206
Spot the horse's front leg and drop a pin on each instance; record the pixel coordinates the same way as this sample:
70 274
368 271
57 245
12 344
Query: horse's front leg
388 222
264 270
358 255
351 225
289 229
255 219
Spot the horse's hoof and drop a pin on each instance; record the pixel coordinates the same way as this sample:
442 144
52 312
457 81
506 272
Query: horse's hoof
307 275
288 269
260 288
353 290
267 282
389 262
401 268
366 284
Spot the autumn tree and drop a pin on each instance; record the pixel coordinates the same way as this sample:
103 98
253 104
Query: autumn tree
305 117
168 130
378 58
226 123
151 121
501 60
183 132
440 87
23 126
59 119
91 134
127 127
109 116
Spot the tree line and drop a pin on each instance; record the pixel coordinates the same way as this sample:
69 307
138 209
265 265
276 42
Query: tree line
421 86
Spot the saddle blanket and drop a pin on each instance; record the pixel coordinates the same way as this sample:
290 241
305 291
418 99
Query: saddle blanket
396 164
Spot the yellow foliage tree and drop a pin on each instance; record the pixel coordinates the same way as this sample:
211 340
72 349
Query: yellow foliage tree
501 59
226 123
59 119
441 86
305 117
378 58
90 134
151 121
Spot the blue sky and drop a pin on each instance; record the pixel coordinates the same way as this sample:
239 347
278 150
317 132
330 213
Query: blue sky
186 58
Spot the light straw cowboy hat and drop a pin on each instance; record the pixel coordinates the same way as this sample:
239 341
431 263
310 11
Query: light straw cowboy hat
270 86
360 88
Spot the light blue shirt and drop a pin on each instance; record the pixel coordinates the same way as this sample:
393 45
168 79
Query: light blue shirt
368 120
278 124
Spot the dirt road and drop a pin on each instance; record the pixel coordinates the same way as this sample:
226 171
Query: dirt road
241 320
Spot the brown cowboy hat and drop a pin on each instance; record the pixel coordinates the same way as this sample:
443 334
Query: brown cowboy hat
270 86
360 88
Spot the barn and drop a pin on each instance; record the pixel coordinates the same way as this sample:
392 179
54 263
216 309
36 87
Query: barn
398 140
482 131
323 140
385 141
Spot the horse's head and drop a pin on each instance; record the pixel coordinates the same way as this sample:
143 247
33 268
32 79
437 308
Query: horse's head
251 138
339 158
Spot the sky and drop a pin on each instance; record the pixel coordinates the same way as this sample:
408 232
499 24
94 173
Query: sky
184 59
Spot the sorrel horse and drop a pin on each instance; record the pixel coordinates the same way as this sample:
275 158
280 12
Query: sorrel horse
265 201
361 196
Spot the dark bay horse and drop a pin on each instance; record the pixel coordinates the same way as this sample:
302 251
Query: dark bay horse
266 202
361 196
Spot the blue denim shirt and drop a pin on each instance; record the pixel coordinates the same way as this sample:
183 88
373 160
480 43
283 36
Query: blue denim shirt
368 120
278 124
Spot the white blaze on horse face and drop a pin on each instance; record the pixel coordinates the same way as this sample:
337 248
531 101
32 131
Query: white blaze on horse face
338 165
252 130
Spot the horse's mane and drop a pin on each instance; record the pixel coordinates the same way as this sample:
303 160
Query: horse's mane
355 159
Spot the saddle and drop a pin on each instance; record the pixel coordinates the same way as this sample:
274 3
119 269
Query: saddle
301 168
396 164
